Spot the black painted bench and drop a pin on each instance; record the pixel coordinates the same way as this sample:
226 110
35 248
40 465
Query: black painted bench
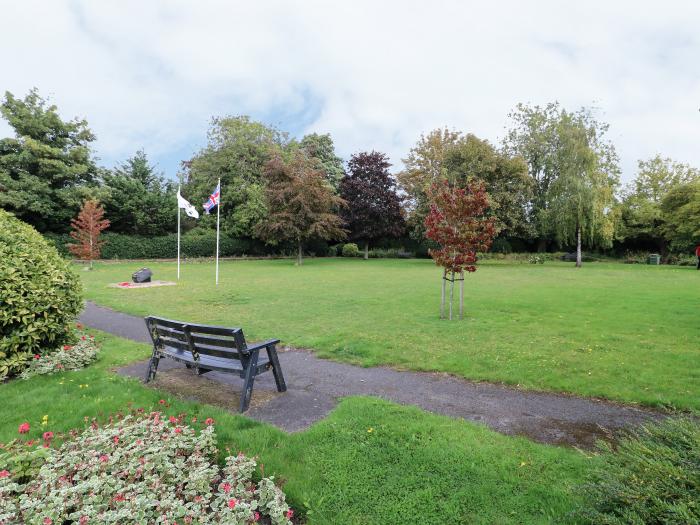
213 348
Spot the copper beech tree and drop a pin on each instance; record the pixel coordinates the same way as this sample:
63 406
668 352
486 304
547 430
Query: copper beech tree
87 228
457 222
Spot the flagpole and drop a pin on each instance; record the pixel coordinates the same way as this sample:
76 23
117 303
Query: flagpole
218 213
178 236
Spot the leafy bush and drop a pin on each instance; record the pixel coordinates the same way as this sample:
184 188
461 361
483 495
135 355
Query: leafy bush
652 477
39 293
501 245
67 357
351 250
141 469
389 253
537 258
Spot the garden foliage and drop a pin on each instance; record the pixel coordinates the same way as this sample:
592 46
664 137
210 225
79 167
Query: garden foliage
140 469
67 357
40 295
653 476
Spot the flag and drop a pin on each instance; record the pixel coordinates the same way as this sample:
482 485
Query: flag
213 199
189 209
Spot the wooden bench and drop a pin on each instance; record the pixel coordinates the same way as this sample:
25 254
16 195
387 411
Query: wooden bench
213 348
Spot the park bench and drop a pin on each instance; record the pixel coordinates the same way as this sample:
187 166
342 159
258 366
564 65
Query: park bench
213 348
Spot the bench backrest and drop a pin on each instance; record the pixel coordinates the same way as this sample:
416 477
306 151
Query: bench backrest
217 341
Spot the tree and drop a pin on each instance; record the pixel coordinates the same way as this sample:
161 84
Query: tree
680 209
87 228
505 178
643 220
557 144
373 208
424 166
457 222
42 167
321 147
238 150
139 200
301 206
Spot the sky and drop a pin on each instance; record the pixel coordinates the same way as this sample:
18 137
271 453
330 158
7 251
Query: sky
374 74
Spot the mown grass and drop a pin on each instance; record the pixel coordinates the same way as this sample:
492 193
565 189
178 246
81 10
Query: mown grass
623 332
370 461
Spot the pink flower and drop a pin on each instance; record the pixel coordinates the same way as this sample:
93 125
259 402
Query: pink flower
83 338
104 458
162 401
257 517
4 473
48 521
178 430
37 356
232 503
83 520
115 439
48 436
290 513
24 428
67 347
226 487
209 421
119 497
172 419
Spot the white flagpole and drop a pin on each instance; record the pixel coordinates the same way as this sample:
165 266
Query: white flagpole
218 210
178 236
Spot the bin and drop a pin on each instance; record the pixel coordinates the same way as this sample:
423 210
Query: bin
654 258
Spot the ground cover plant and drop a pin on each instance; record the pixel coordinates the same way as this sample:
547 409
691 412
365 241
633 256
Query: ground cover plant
67 357
624 332
139 468
370 461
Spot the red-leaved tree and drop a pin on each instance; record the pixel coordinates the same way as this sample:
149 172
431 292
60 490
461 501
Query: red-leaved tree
458 224
86 231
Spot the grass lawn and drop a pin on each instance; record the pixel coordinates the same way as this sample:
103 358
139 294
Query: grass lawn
412 467
624 332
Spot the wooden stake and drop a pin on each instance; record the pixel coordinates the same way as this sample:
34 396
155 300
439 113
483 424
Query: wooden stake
452 290
442 304
461 295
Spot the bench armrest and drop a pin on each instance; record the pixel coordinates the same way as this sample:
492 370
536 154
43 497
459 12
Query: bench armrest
264 344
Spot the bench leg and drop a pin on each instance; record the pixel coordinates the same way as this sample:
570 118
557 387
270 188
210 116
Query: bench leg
276 368
249 380
152 367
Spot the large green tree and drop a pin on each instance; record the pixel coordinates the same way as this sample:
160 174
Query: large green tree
321 148
139 200
43 166
581 197
642 222
680 209
552 140
505 180
237 152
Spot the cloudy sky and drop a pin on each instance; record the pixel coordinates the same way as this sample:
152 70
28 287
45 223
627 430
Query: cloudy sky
151 74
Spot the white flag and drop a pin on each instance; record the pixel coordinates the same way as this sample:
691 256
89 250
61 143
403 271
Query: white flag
189 209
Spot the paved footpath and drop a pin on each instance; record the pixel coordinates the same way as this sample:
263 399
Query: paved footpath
315 386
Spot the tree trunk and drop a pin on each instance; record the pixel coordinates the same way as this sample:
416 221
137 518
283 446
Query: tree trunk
452 293
578 246
299 253
366 250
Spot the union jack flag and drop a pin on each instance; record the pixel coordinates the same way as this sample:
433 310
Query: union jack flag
213 199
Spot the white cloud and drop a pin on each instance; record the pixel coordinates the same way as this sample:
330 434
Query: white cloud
373 74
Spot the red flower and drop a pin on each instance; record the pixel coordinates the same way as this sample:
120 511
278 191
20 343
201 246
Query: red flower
198 498
226 487
162 401
48 436
83 338
257 516
67 347
4 473
37 356
79 326
290 513
83 520
115 439
48 521
104 458
209 421
232 503
172 419
23 428
178 430
119 497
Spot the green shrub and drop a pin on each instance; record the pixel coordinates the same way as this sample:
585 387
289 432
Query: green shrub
653 476
39 295
351 250
501 246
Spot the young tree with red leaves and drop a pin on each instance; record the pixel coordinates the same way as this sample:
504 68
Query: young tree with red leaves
458 224
86 231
